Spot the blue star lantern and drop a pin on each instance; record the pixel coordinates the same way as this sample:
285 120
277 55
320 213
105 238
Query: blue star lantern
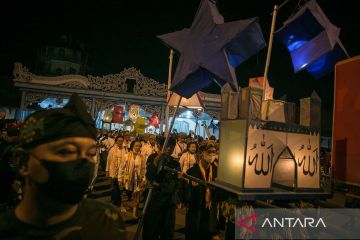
211 49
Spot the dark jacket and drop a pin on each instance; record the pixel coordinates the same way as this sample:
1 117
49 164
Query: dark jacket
167 191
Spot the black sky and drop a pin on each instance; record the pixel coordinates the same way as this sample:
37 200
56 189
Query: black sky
118 34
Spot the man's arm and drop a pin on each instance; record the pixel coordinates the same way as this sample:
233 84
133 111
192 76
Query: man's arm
151 168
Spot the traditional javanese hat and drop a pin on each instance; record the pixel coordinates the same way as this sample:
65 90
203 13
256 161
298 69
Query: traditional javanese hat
206 145
45 126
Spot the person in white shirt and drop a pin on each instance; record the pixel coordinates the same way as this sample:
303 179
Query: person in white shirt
180 147
188 159
132 174
150 148
109 142
127 140
106 143
114 160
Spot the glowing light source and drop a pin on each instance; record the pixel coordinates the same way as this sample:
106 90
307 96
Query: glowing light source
295 45
304 65
193 102
53 103
317 65
107 116
236 158
312 40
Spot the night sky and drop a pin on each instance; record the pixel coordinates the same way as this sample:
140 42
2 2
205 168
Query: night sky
117 34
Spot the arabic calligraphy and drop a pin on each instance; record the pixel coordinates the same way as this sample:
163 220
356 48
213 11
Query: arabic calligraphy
263 157
308 160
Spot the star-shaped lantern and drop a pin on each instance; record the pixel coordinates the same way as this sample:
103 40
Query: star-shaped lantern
211 49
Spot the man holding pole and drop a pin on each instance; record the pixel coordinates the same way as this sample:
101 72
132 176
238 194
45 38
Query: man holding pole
159 219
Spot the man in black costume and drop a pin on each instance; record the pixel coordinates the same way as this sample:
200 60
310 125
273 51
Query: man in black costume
57 158
159 219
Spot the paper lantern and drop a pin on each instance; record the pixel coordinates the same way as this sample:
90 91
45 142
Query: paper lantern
154 120
128 125
257 157
258 82
107 118
134 112
192 102
139 126
118 114
312 40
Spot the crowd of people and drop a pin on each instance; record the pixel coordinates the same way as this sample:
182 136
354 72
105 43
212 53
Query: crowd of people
133 163
50 161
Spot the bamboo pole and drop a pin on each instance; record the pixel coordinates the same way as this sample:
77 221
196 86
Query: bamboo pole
168 90
171 124
271 38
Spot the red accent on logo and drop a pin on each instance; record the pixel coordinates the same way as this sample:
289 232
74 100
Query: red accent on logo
241 223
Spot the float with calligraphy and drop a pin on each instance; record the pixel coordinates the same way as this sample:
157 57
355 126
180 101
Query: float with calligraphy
266 149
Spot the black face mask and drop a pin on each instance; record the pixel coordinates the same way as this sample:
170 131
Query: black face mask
68 181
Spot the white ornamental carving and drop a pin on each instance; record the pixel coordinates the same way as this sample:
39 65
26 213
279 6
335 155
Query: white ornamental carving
144 86
150 109
103 104
35 97
21 73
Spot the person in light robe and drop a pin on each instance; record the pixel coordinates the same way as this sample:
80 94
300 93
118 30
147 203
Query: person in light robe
150 148
114 160
188 159
180 147
132 175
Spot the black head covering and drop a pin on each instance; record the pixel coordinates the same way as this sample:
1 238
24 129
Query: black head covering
206 145
50 125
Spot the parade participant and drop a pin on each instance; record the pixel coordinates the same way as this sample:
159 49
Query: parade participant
188 159
180 146
201 217
212 138
127 140
132 175
106 143
115 156
150 148
57 158
145 140
159 219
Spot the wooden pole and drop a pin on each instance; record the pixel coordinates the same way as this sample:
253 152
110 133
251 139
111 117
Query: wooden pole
168 90
171 124
271 38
